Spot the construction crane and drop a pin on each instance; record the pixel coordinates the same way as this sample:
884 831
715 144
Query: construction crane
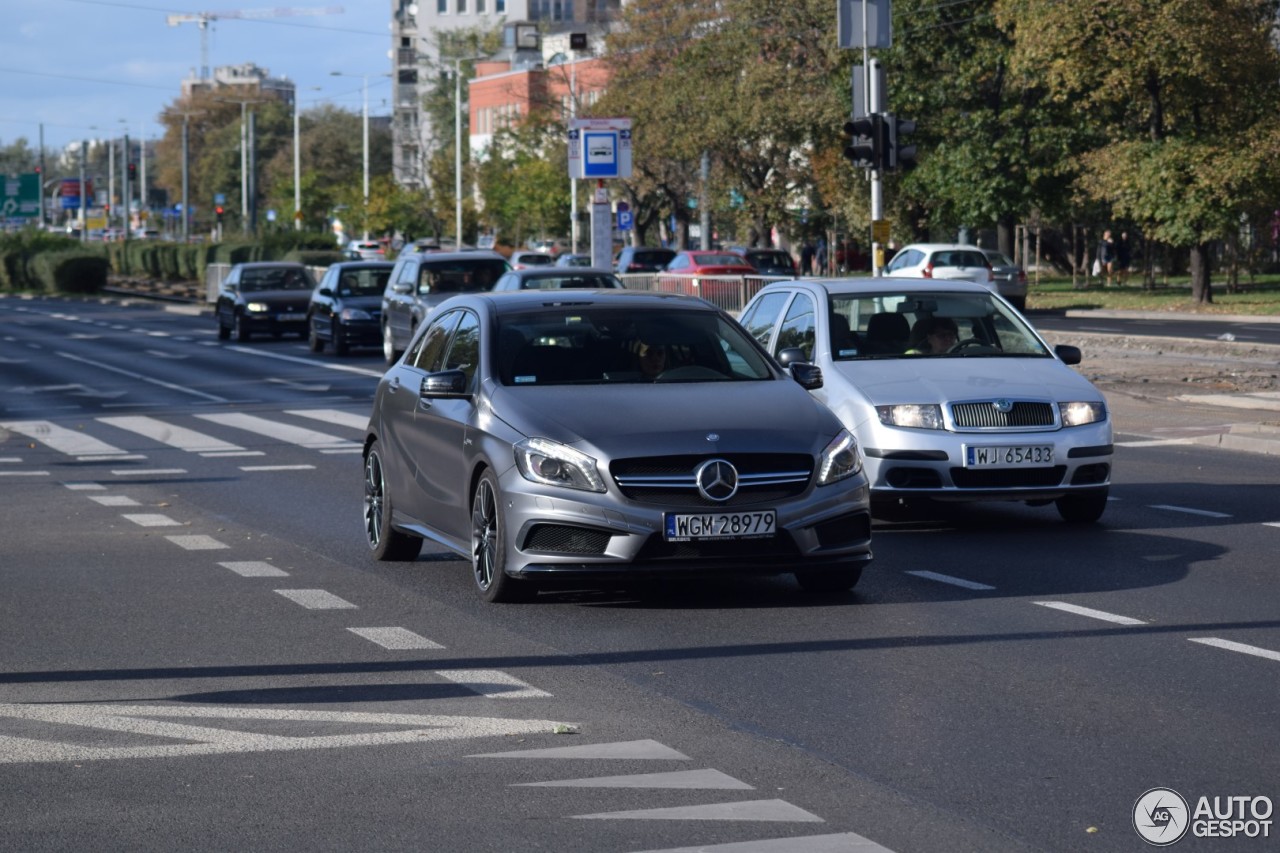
203 19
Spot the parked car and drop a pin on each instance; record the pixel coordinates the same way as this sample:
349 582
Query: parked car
264 297
754 476
419 282
692 262
1010 279
642 259
365 250
570 259
522 260
770 261
997 415
547 278
346 306
952 261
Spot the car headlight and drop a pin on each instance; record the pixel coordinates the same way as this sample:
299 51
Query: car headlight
349 314
257 307
840 459
918 416
554 464
1081 413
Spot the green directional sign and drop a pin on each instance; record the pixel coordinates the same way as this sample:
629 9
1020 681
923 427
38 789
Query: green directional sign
21 197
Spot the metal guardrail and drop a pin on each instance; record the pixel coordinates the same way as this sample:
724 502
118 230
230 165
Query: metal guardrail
728 292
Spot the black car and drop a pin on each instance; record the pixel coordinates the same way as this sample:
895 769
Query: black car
643 259
347 305
264 297
770 261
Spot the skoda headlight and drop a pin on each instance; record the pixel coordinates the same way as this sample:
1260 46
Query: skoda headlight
554 464
349 314
1079 414
917 416
839 459
257 307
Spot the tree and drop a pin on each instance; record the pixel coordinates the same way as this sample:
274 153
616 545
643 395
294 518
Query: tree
524 179
1184 97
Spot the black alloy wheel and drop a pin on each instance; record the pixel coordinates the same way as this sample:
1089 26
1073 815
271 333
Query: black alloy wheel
488 548
386 543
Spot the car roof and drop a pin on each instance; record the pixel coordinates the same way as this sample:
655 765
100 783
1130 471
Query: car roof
514 301
256 265
935 247
369 264
454 256
559 272
847 286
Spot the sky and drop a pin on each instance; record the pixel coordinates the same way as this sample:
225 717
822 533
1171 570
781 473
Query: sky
87 69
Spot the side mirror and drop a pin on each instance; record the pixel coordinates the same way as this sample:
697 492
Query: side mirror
808 375
446 384
790 356
325 291
1068 353
230 287
401 287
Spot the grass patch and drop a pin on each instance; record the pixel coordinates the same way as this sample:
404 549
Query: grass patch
1261 296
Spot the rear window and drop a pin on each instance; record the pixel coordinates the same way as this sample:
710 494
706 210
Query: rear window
656 256
773 259
959 258
459 276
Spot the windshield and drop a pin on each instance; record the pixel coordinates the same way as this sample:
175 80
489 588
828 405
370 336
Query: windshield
370 281
459 276
592 345
927 325
275 278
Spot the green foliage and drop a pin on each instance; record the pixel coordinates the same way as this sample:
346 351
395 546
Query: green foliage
314 257
69 271
525 183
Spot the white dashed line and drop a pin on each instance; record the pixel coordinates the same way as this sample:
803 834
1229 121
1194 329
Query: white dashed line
114 500
124 472
1206 513
250 468
1090 612
151 519
1271 524
197 543
753 810
85 487
395 638
8 459
332 416
1237 647
316 599
934 576
24 473
493 684
1155 442
255 569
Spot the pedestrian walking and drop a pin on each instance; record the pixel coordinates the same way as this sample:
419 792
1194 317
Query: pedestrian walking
820 255
806 257
1107 256
1123 259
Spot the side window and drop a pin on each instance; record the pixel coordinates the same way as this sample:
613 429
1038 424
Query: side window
408 273
330 279
427 353
762 317
464 352
797 327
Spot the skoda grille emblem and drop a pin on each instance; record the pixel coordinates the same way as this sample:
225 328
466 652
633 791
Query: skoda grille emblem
717 480
1004 407
711 436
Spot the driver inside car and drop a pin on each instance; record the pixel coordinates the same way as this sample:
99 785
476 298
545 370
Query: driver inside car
932 335
650 359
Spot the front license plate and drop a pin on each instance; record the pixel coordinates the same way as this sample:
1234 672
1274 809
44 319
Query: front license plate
289 318
689 527
1008 456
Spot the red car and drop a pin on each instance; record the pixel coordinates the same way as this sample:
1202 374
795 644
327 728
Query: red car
709 263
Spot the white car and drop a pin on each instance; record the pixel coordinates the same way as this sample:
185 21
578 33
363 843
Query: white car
950 261
995 413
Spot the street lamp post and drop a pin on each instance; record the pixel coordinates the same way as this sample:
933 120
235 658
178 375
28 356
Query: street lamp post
364 78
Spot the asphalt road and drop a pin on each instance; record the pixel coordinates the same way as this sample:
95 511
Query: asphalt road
1258 330
198 654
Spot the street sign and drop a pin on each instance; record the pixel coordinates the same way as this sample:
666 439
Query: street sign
600 148
849 28
880 231
624 220
21 197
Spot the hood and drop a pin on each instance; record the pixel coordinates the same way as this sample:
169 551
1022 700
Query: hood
301 298
940 380
613 421
365 303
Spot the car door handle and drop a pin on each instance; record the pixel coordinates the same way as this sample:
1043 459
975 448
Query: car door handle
393 384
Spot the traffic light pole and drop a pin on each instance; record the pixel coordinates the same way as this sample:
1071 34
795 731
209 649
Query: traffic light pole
871 86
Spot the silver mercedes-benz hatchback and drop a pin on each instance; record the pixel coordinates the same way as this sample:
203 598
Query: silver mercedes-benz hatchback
585 434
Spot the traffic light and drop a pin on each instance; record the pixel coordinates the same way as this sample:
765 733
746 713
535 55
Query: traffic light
901 153
218 212
133 171
864 146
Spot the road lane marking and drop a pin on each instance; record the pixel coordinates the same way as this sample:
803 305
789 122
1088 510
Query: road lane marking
395 638
85 487
1271 524
333 416
169 385
1156 442
114 500
309 362
773 811
934 576
631 750
68 441
493 684
845 842
9 459
192 740
174 436
1237 647
1206 513
151 519
277 467
124 472
1090 612
288 433
316 599
255 569
197 543
707 779
24 473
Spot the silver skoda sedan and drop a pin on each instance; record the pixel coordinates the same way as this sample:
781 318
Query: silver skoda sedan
586 434
951 395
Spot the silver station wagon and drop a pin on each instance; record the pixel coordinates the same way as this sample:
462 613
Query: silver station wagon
951 395
550 435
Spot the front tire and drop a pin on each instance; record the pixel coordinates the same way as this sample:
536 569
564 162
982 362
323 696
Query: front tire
1084 508
841 579
224 332
389 345
340 346
314 341
488 546
386 543
242 329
